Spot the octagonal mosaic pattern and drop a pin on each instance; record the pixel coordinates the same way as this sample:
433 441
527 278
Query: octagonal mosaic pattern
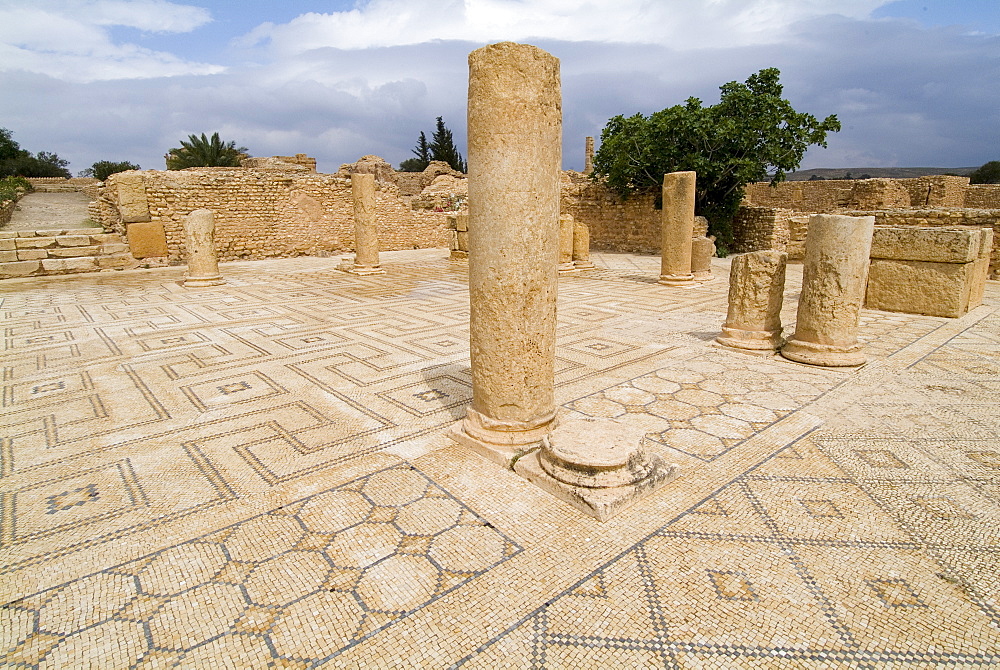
298 584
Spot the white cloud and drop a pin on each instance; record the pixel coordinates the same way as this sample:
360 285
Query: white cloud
680 24
72 39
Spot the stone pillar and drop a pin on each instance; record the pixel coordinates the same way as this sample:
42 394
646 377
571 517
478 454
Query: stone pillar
566 230
702 251
515 140
588 156
581 246
756 288
677 229
199 238
365 234
834 275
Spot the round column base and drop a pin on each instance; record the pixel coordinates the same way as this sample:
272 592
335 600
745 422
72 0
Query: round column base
677 280
753 340
197 282
826 355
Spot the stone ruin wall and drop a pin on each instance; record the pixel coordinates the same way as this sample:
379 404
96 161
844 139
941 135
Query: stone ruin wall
832 195
262 213
983 196
778 217
630 225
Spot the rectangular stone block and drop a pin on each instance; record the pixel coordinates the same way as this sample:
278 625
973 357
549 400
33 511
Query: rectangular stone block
115 261
73 240
31 254
19 269
70 252
35 242
7 234
8 256
463 241
462 223
132 203
147 240
7 244
920 287
114 248
68 265
103 238
83 231
936 245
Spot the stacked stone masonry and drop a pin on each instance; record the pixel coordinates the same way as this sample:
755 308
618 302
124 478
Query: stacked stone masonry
27 253
259 213
778 217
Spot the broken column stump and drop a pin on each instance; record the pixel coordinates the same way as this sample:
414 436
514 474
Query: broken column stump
834 274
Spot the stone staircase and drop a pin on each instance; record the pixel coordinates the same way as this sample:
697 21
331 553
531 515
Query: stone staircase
34 253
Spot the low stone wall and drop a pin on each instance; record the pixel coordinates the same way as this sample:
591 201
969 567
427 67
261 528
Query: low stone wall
258 213
942 218
6 211
761 229
983 196
59 184
631 225
833 195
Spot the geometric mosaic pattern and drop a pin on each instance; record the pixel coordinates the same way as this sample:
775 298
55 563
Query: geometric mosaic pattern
258 475
792 565
331 564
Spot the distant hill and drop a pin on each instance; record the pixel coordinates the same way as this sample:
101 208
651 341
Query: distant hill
871 173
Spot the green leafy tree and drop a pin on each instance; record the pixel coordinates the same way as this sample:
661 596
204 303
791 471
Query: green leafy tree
101 170
442 147
205 152
752 134
8 147
988 173
423 156
15 161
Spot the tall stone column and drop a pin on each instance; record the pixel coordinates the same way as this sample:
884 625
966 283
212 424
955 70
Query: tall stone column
199 238
588 155
834 274
581 246
756 291
515 140
365 233
677 229
566 229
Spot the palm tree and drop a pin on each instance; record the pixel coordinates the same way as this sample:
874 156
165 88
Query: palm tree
205 152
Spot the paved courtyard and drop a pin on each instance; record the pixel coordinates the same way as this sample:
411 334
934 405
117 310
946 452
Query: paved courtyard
257 475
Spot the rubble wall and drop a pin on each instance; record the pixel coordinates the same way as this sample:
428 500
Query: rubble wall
262 213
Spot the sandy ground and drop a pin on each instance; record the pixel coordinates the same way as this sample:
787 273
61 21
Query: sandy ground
50 210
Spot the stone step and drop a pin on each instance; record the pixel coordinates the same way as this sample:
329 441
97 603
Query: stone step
32 253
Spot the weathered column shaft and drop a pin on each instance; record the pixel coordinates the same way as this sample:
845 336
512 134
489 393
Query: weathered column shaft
756 291
588 155
581 246
834 274
515 139
199 238
702 251
566 230
365 232
677 228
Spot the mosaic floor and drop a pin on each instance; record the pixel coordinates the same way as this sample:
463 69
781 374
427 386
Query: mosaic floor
257 475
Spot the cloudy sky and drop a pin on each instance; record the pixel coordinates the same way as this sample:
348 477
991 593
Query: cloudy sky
914 82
